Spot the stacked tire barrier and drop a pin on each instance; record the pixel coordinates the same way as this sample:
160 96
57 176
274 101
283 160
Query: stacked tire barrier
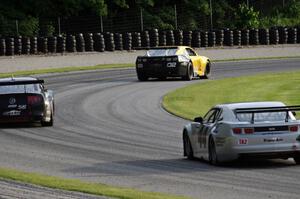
178 37
187 38
128 41
2 47
137 40
61 44
52 44
18 45
109 41
264 36
228 37
170 38
204 39
196 40
25 45
154 38
71 43
245 37
292 35
99 42
89 42
212 39
237 37
145 39
118 41
80 43
162 38
274 36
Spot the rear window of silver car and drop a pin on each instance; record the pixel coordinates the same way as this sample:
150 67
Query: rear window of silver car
264 117
28 88
161 52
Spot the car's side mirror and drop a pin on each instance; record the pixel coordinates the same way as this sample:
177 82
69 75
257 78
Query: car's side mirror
198 119
294 113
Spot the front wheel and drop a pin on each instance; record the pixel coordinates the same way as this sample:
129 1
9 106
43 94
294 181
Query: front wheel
141 76
188 150
212 153
207 71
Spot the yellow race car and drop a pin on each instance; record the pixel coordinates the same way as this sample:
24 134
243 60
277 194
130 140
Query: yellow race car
175 61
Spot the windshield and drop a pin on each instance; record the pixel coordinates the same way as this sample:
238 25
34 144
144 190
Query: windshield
161 52
264 117
28 88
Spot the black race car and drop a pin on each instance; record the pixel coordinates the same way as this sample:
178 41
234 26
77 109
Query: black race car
25 99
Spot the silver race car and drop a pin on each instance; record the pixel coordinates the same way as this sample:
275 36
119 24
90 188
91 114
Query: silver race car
25 99
244 130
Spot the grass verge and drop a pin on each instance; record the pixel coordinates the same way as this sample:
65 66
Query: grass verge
195 100
77 185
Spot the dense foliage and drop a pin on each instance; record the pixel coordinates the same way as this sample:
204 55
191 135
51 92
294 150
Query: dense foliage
32 17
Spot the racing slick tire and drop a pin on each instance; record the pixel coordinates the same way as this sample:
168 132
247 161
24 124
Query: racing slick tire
141 77
297 159
50 123
212 154
207 71
188 150
189 72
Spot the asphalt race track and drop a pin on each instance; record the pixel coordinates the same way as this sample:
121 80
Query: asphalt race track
110 128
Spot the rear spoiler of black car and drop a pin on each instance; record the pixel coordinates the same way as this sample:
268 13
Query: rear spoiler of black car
22 82
267 110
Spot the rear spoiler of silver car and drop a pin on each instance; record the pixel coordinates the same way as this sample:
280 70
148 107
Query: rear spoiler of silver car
286 109
22 82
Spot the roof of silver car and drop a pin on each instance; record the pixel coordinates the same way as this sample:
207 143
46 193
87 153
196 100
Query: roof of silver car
252 104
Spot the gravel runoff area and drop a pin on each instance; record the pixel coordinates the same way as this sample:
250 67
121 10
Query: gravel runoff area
18 63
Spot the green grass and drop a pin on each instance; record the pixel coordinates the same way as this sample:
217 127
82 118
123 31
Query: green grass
80 186
195 100
65 69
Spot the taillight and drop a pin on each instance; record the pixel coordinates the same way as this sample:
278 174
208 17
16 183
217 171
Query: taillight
35 99
248 130
237 130
293 128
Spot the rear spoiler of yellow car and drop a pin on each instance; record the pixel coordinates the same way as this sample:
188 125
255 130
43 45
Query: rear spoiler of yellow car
268 110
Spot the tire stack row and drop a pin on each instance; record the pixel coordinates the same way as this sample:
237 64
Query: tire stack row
154 38
254 37
292 35
136 40
162 38
118 41
283 35
25 45
245 37
80 43
212 39
196 40
145 39
298 34
228 37
2 47
61 44
10 46
237 37
43 45
264 36
274 36
128 41
219 37
52 44
170 38
99 42
178 37
71 43
18 45
204 39
109 41
89 42
187 38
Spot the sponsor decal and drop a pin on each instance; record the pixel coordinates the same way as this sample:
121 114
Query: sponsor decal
12 106
274 139
12 113
243 141
22 107
12 100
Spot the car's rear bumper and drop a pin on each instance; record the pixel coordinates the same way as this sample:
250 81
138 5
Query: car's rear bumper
22 119
164 69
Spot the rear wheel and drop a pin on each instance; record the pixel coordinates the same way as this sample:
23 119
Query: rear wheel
207 71
141 76
50 123
189 72
212 153
297 159
188 147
